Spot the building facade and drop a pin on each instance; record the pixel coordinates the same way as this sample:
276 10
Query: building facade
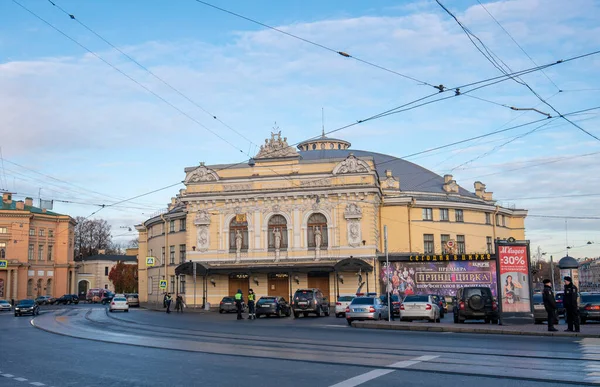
589 275
92 272
316 217
37 246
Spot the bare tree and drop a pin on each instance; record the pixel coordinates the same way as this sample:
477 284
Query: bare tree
91 235
134 243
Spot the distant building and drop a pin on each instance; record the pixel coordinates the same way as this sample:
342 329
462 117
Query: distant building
93 271
38 247
589 275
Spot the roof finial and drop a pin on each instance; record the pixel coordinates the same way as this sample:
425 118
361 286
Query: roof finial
323 122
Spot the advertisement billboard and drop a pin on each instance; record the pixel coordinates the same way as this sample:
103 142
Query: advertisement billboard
438 277
514 283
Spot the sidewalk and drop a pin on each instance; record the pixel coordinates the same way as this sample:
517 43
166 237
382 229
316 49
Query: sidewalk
190 308
587 331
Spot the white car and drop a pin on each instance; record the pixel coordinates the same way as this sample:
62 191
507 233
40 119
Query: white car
118 303
5 305
341 305
419 308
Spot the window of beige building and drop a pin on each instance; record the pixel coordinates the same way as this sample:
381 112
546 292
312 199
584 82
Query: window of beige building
2 250
428 246
497 219
40 252
41 232
277 222
30 288
32 232
51 233
236 227
427 214
106 271
172 286
458 214
444 239
3 230
50 257
182 284
181 224
460 244
172 254
503 221
181 253
162 255
444 216
30 252
490 245
317 222
488 218
172 226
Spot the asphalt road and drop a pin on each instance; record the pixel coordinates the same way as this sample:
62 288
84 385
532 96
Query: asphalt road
86 346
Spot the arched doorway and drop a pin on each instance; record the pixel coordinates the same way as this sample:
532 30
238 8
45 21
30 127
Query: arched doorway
82 289
30 288
49 287
1 288
38 288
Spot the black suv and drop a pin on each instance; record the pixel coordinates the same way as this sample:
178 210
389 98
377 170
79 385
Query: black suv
309 301
27 307
107 298
475 303
67 299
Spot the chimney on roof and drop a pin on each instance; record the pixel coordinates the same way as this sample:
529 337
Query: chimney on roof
6 197
388 173
29 202
20 205
480 191
447 179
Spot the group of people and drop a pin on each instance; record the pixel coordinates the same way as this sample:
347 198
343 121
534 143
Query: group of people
569 303
179 304
239 300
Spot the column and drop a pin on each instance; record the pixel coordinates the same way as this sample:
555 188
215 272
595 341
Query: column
8 284
15 293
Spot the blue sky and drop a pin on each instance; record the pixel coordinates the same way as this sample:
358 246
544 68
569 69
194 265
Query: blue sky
68 116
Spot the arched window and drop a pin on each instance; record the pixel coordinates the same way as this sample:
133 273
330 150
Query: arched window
236 227
277 223
317 223
49 287
39 287
30 288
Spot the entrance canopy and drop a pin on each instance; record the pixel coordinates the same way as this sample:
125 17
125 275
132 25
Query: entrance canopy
188 269
353 264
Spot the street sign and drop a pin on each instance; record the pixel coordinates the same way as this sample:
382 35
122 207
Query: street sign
149 261
3 264
163 284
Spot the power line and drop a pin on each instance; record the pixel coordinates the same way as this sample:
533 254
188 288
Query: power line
72 17
551 197
565 217
518 45
342 53
131 78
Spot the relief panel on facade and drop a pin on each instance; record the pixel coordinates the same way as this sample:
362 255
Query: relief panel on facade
353 215
202 222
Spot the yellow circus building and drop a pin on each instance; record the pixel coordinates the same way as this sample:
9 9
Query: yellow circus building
314 217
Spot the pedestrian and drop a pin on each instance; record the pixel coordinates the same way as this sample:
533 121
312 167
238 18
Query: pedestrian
251 308
168 302
550 304
238 303
571 307
179 304
165 300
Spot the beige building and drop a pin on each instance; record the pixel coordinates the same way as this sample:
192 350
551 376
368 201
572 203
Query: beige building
93 271
315 217
36 247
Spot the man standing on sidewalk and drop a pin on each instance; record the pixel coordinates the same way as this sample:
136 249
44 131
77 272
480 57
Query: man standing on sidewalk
168 302
571 307
251 305
550 304
238 303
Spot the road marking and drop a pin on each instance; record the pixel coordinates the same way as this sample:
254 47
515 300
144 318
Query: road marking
360 379
8 375
20 379
591 351
37 384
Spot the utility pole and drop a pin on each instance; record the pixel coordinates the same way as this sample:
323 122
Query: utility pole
552 271
387 273
194 263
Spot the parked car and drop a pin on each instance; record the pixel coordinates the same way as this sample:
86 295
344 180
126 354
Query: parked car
227 305
133 299
273 306
307 301
441 303
5 306
67 299
118 303
27 307
539 311
107 298
559 302
589 307
341 304
96 295
421 307
45 300
396 301
366 308
475 303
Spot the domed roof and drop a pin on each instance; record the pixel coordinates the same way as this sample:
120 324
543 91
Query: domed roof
323 142
413 177
568 263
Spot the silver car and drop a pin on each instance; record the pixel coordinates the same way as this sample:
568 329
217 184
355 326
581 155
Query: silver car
366 308
133 299
419 308
5 306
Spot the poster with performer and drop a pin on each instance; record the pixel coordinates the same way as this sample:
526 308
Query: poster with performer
513 268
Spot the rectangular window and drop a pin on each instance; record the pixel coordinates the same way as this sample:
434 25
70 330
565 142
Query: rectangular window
488 218
172 226
150 285
182 284
444 214
427 214
172 280
106 271
181 253
460 244
445 238
428 247
41 232
32 232
503 221
3 230
50 252
162 255
458 214
181 224
30 252
490 245
51 233
497 219
172 254
40 252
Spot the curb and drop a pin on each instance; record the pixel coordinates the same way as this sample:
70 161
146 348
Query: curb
452 329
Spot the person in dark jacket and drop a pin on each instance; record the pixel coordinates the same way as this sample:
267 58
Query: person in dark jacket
571 307
168 301
550 304
239 298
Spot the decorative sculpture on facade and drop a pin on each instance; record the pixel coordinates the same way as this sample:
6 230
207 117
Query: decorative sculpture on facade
238 245
277 243
353 215
202 222
201 174
351 165
276 147
318 239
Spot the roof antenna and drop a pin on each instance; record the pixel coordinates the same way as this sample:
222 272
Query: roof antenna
323 122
